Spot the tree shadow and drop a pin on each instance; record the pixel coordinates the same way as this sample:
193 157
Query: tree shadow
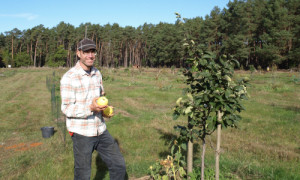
101 167
168 138
291 108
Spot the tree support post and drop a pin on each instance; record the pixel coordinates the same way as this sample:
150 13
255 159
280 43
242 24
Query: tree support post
218 150
190 157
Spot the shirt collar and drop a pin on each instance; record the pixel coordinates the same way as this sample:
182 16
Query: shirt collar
82 72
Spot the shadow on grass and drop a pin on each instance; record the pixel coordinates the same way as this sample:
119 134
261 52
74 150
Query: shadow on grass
168 138
296 109
292 108
102 170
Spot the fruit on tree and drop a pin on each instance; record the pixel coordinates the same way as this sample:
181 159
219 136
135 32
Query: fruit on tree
246 79
102 101
178 102
227 78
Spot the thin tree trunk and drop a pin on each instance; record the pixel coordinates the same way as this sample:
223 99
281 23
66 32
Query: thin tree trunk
133 57
21 47
69 58
203 158
31 52
34 61
218 146
190 157
12 47
101 55
28 51
126 58
130 53
112 59
40 61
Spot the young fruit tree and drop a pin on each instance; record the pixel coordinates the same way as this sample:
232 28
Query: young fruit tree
212 100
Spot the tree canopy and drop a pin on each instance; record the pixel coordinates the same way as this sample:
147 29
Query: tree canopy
261 33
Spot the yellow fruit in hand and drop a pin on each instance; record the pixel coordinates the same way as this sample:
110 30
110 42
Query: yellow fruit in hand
102 101
108 111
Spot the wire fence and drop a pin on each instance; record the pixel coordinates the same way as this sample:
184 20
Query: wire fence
53 85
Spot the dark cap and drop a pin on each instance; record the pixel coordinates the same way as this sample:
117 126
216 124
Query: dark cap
86 44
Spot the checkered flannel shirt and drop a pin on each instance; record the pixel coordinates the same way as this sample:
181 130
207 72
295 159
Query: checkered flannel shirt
78 89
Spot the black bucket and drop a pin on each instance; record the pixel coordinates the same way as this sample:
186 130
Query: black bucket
47 131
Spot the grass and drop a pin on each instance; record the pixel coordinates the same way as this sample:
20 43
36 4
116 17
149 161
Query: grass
266 144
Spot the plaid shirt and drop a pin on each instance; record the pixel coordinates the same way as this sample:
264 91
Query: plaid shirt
78 89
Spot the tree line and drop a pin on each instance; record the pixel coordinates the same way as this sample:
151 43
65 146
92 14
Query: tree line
259 33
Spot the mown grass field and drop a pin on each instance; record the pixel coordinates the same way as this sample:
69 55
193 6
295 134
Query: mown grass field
266 144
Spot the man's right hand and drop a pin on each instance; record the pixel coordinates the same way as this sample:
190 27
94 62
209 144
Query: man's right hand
95 107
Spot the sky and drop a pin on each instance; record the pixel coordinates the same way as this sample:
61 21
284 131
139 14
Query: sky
26 14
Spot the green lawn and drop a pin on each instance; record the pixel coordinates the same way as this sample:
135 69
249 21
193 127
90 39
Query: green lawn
266 144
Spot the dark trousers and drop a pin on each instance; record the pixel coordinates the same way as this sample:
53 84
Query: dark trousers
108 150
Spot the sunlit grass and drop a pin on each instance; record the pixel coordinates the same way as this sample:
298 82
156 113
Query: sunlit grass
266 144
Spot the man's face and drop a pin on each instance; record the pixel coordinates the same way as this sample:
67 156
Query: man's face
87 58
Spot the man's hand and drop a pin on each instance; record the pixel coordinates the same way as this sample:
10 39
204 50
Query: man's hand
95 107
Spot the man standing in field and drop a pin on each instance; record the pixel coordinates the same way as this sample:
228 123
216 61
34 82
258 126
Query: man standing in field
80 87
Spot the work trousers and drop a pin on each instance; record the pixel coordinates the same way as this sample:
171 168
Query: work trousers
108 150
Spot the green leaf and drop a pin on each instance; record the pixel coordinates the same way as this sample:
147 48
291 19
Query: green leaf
228 108
191 115
212 104
188 109
175 116
165 177
192 122
183 132
237 64
183 146
190 96
182 172
206 56
228 93
172 149
178 155
211 126
203 62
205 97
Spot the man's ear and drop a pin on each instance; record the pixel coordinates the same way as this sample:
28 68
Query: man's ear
78 53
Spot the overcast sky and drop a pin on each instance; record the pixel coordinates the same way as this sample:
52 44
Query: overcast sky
25 14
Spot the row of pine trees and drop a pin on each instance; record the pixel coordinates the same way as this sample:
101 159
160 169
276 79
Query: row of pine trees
259 33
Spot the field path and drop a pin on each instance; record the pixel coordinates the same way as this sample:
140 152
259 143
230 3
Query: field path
24 96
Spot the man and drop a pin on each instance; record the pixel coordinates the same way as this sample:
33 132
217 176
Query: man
80 87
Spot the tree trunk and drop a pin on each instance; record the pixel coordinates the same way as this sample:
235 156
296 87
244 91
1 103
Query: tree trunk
190 157
34 60
100 47
69 58
28 49
130 53
12 47
31 51
203 158
21 47
126 58
218 145
40 61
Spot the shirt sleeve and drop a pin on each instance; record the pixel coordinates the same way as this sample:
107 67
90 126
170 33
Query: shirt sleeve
69 106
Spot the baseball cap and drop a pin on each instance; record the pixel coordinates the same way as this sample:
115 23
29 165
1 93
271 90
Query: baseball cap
86 44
